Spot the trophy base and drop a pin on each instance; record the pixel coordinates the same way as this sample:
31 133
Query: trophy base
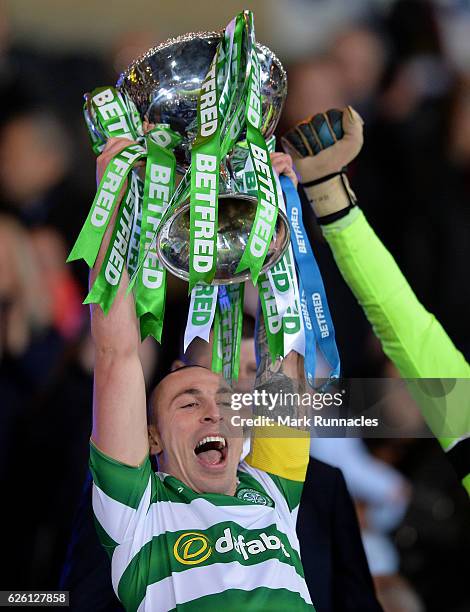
236 216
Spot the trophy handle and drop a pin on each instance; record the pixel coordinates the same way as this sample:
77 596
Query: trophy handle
90 119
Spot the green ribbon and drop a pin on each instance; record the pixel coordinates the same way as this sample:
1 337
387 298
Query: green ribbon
272 320
114 114
220 115
89 240
224 108
291 320
205 165
224 308
216 364
234 112
109 113
228 324
108 110
134 244
150 286
266 212
107 282
236 293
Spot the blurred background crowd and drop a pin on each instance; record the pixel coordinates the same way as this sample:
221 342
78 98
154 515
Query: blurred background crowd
405 66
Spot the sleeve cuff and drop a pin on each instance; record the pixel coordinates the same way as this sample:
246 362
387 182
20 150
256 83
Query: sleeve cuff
343 223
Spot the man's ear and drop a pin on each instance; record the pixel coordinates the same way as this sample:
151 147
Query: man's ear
177 364
155 442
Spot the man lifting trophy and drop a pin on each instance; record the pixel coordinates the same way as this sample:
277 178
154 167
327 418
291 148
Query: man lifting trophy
189 185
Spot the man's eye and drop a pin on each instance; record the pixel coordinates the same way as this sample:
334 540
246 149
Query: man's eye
190 405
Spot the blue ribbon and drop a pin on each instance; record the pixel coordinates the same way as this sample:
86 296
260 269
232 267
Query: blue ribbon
318 324
310 359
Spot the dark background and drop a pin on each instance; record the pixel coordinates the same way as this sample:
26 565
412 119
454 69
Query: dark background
405 66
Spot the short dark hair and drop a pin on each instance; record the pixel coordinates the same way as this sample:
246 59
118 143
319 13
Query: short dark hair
151 413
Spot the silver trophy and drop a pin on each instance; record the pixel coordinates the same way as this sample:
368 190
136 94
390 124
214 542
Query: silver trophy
164 84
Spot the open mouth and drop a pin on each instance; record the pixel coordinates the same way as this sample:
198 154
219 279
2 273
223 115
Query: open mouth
211 451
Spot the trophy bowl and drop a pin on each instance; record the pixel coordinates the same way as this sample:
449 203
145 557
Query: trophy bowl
165 82
236 216
164 85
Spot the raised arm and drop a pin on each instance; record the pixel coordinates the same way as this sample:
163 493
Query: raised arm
119 404
410 336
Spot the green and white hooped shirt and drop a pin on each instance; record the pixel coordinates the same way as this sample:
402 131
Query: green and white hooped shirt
174 549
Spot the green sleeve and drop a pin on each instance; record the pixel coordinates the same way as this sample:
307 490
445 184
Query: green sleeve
121 497
410 336
120 482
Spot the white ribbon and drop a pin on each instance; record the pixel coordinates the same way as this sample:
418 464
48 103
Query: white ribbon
201 313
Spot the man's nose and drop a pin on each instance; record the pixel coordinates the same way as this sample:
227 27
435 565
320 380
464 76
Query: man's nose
211 412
